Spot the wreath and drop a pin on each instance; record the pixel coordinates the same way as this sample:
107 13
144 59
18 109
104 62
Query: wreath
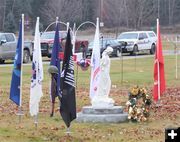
138 111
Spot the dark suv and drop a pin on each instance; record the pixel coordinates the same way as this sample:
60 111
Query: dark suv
104 43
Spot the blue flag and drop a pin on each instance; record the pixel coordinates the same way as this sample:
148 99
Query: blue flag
16 74
55 61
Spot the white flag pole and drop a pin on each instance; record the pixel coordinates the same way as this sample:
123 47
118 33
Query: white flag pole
159 83
22 48
67 26
36 116
36 121
57 18
74 37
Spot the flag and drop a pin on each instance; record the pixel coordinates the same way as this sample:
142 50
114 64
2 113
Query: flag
159 79
95 63
68 100
55 61
15 89
37 74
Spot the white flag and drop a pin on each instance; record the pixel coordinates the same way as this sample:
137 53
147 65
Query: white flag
37 74
95 63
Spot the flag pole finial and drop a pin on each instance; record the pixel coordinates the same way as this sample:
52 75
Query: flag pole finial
67 26
57 19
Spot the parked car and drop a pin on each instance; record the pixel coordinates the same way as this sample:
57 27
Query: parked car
8 45
138 41
47 40
104 43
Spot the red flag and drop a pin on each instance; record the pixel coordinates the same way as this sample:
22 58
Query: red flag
159 79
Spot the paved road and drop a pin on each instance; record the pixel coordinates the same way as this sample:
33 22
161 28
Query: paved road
125 57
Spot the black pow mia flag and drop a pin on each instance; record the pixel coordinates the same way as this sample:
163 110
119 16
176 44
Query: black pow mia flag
68 100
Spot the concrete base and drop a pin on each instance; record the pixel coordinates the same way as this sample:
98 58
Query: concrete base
114 114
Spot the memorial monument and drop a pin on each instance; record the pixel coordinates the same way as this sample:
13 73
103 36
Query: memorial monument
103 109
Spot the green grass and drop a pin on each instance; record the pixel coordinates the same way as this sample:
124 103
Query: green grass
52 129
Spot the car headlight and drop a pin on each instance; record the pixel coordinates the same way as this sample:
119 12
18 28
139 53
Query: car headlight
130 43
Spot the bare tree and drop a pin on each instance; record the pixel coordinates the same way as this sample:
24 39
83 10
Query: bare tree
66 10
2 15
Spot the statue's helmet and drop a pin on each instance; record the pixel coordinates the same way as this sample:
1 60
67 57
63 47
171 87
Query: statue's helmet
52 69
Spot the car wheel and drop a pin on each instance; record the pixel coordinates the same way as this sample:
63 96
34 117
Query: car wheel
135 50
118 53
48 53
2 61
26 56
152 50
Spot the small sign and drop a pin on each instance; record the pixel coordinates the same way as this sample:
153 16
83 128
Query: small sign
172 134
101 24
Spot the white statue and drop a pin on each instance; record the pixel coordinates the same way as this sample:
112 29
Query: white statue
102 100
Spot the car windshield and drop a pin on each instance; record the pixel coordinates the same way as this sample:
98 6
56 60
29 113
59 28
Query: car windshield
50 35
47 35
128 36
91 44
151 34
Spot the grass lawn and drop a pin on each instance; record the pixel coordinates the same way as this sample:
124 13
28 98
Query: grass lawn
134 72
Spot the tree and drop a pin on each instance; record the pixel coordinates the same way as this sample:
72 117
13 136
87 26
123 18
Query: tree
10 25
66 10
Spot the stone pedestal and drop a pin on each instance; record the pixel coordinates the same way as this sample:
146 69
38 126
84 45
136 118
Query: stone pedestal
102 101
113 114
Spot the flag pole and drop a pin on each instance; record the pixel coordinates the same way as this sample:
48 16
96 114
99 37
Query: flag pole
36 116
22 48
57 18
159 83
36 121
68 131
74 37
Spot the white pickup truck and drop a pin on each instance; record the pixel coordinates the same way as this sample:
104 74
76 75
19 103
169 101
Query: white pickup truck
137 41
8 45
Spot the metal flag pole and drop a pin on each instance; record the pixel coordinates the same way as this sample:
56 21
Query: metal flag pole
57 18
67 26
135 61
36 121
76 76
68 131
74 37
36 116
159 83
20 102
121 67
